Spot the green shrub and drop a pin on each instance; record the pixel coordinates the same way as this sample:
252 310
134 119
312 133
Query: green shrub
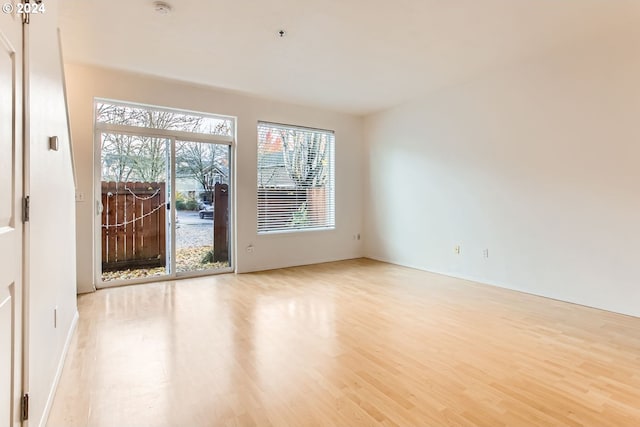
207 258
300 217
191 205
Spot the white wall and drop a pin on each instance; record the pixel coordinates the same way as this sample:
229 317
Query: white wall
51 275
538 163
274 251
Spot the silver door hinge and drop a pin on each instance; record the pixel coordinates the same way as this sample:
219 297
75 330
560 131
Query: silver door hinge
25 209
24 407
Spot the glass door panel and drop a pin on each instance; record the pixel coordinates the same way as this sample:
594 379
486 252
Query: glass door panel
135 221
202 206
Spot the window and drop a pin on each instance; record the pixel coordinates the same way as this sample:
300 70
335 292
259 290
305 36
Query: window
121 113
296 182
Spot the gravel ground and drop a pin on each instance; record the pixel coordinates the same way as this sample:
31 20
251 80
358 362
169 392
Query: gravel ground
190 235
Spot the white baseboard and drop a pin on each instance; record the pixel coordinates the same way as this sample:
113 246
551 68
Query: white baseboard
56 379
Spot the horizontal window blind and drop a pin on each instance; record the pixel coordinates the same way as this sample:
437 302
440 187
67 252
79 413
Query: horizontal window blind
296 183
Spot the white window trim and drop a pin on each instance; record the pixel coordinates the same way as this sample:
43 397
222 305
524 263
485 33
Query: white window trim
172 136
332 202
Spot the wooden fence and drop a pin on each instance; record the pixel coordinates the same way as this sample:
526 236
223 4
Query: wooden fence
133 225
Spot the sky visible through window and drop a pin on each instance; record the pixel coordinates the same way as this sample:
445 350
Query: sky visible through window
158 118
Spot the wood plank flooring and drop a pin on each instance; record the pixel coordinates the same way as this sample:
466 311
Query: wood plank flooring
352 343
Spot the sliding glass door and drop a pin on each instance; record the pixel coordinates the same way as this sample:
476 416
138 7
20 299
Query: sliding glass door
163 186
163 207
134 194
202 205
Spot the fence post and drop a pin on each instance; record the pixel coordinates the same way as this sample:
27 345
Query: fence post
221 223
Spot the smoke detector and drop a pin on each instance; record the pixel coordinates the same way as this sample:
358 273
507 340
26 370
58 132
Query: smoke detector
161 7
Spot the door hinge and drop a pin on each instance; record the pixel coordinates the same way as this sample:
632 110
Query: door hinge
25 16
27 10
24 407
25 209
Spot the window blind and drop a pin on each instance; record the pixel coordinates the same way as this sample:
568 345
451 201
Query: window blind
296 182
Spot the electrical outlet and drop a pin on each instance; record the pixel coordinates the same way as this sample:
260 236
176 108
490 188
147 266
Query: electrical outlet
250 248
456 249
79 196
485 253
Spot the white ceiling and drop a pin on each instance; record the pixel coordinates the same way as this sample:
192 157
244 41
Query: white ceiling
357 56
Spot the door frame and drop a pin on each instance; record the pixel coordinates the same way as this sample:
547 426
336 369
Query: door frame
15 44
172 136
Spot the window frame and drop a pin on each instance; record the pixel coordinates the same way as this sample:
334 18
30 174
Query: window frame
329 201
173 136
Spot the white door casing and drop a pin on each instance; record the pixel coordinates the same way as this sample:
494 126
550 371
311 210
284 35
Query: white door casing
11 227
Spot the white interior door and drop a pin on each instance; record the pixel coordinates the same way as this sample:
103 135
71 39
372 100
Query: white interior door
10 218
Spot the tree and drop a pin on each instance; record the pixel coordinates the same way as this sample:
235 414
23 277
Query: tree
206 163
305 157
116 157
150 159
139 158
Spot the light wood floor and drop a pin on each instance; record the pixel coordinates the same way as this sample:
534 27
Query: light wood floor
354 343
